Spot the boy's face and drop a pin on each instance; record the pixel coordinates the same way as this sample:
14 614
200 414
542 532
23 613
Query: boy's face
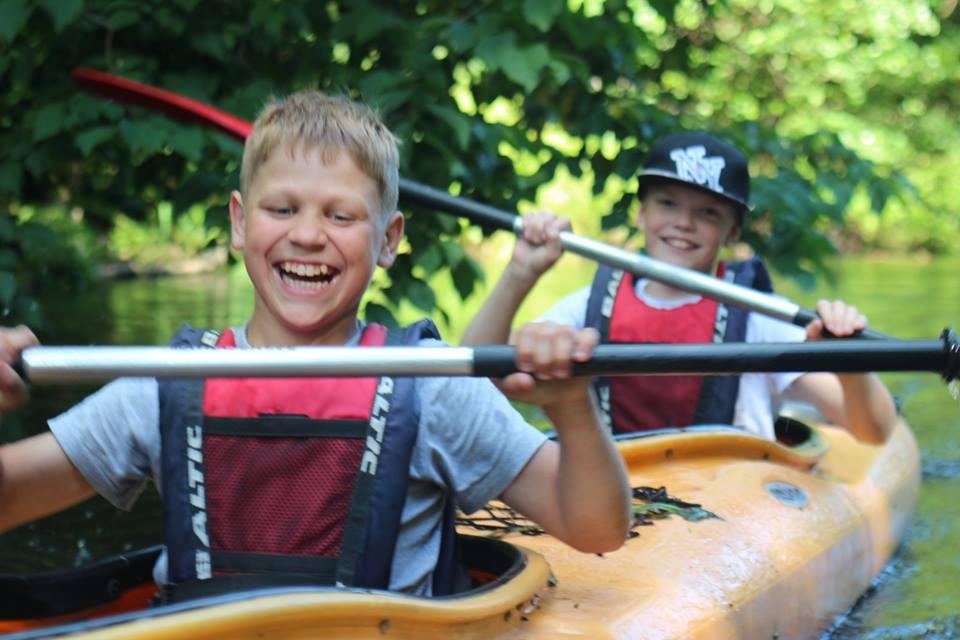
312 234
686 226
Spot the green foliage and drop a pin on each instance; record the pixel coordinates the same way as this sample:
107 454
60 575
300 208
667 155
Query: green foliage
492 100
33 260
161 239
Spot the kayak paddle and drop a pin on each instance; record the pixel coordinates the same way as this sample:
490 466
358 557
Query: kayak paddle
94 364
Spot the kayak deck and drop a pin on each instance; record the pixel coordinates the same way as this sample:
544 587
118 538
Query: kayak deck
799 538
800 534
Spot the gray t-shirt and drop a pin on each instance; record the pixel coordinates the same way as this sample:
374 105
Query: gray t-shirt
471 442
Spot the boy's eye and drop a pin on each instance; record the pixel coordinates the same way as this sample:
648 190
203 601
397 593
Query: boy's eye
280 210
341 216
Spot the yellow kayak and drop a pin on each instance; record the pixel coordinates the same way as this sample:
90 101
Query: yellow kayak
801 529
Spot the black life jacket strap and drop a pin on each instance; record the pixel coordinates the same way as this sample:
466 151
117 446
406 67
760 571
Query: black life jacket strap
284 426
718 395
320 569
603 294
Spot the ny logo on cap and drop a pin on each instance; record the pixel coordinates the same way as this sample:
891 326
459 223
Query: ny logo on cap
694 166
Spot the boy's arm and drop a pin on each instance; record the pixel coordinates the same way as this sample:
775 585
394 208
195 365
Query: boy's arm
535 252
575 488
36 480
36 477
860 402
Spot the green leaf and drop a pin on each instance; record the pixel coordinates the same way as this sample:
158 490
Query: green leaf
453 252
39 161
8 287
458 122
9 260
465 276
542 13
522 65
7 229
48 121
123 19
211 44
463 36
188 143
13 13
374 312
429 259
11 173
420 295
87 140
187 5
63 12
144 136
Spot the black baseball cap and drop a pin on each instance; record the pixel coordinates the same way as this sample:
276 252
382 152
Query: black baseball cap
702 161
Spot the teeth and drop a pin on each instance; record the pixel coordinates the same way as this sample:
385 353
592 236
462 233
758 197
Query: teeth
296 283
679 244
306 270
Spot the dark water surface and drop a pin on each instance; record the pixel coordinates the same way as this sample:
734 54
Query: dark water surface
918 595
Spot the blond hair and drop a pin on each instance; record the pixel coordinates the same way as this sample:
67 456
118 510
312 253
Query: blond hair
329 124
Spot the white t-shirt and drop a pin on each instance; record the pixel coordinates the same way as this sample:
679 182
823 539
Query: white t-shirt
759 394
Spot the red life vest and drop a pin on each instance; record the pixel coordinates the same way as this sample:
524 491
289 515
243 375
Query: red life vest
643 403
287 480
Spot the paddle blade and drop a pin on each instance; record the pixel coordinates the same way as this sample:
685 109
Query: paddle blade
172 104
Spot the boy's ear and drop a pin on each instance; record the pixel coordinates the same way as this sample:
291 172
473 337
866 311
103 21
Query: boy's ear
734 234
392 235
237 219
641 215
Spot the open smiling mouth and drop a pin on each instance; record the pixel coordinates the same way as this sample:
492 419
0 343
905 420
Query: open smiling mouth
306 276
678 243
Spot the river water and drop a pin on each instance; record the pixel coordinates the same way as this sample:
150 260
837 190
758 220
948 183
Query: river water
916 597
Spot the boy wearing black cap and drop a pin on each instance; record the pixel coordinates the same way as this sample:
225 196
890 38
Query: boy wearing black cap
694 193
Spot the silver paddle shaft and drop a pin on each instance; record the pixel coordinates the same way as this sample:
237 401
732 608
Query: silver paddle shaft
98 364
683 279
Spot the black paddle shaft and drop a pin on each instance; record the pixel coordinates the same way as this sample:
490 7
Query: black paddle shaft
839 356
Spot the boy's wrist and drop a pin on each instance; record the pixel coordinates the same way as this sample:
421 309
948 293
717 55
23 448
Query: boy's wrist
570 400
521 274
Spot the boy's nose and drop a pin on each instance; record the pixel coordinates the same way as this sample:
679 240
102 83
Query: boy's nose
308 230
685 218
